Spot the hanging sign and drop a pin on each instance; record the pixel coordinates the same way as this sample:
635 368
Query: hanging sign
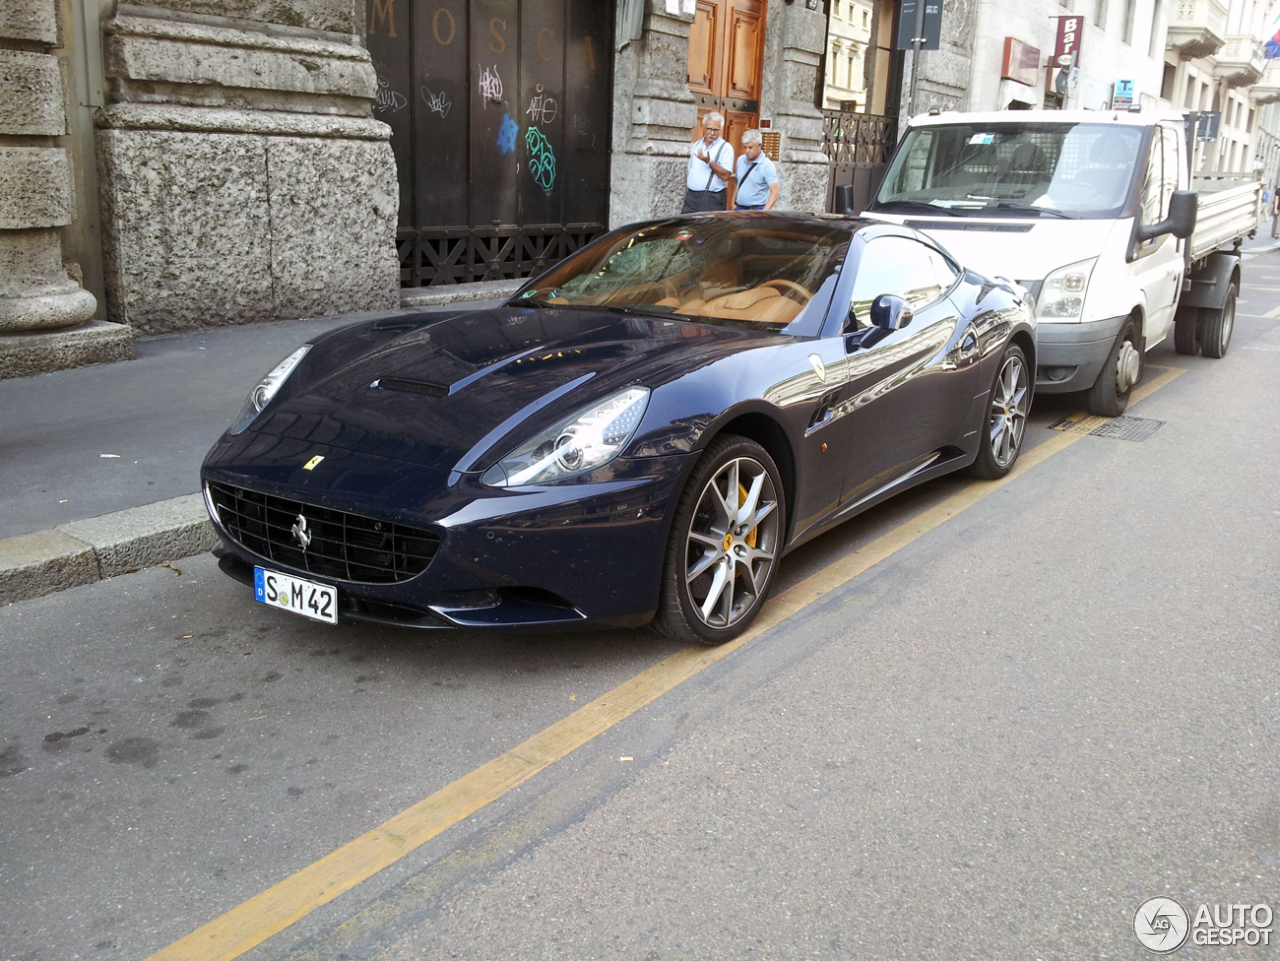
1070 33
931 34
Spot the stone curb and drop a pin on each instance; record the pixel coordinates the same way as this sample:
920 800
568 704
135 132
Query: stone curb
82 552
458 293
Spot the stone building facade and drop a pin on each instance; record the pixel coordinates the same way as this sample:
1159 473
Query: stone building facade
654 113
46 316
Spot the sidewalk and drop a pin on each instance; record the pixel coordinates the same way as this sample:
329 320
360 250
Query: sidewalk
99 466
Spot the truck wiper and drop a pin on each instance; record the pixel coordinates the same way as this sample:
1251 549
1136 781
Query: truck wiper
1027 208
920 205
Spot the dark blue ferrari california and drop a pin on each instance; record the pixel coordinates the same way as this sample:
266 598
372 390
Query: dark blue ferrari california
636 436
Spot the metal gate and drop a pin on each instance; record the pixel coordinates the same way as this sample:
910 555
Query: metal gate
858 147
500 118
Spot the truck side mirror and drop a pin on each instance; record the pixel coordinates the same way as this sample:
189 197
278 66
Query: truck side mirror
1180 222
890 312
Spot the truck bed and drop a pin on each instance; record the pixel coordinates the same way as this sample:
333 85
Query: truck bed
1227 211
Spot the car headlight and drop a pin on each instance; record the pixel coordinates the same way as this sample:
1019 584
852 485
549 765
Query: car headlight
589 439
261 395
1062 294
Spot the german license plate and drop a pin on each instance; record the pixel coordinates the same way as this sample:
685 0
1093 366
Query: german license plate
293 594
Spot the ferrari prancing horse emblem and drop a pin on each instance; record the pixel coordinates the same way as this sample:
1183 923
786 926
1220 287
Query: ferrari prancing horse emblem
299 531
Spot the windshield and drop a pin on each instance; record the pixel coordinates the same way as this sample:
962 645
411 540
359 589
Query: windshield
754 270
1071 170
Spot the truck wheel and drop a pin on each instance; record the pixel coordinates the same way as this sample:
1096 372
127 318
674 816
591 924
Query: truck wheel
1109 395
1186 331
1215 332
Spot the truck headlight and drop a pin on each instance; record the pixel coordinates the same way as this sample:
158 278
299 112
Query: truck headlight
261 395
588 439
1062 294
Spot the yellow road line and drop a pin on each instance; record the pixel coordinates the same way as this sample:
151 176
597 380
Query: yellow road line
266 914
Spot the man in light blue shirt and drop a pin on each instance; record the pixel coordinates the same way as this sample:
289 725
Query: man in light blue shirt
710 167
757 176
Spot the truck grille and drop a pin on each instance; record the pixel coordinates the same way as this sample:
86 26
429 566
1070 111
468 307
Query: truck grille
338 545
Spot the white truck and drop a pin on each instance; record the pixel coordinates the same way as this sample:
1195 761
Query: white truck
1097 216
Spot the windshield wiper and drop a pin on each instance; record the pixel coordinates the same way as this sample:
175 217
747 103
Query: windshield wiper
1028 208
919 205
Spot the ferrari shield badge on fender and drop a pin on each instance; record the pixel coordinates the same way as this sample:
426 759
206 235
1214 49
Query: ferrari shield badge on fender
311 464
818 368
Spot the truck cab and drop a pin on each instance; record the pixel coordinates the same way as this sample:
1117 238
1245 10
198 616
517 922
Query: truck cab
1079 208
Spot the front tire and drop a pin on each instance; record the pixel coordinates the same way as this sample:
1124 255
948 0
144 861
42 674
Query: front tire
726 541
1216 326
1109 395
1009 402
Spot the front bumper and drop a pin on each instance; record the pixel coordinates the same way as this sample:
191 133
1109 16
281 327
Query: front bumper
552 557
1070 356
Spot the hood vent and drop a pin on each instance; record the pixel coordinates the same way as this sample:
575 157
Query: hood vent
416 386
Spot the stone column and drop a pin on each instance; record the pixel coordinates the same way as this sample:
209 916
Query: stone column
795 37
653 115
241 174
45 315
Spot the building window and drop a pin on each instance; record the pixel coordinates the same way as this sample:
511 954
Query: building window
1100 15
1130 14
1189 98
1156 47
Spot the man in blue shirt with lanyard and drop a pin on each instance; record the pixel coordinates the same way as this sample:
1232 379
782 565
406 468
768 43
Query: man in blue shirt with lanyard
710 166
757 176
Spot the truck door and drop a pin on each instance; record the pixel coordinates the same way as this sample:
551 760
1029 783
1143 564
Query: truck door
1158 264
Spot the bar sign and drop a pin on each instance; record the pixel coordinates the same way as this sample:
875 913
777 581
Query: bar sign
1070 33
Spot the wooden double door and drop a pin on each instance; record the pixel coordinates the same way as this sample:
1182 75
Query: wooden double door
726 56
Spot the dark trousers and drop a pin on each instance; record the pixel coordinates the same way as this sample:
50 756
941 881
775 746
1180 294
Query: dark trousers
701 201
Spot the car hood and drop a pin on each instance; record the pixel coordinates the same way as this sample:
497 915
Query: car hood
1018 249
442 392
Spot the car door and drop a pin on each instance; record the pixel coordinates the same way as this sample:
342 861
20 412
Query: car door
907 389
1158 263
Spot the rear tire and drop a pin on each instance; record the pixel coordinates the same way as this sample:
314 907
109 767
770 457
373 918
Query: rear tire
725 545
1109 395
1217 325
1186 331
1007 407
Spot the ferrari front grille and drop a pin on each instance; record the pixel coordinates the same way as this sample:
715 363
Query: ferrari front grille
321 540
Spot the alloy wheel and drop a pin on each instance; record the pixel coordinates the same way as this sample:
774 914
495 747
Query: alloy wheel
1008 411
732 543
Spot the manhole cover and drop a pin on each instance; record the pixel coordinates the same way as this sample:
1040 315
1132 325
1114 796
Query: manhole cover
1128 428
1120 428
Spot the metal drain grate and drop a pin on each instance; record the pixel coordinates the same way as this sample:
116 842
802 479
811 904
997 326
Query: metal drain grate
1129 428
1119 428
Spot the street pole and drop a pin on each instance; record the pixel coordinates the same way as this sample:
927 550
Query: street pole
916 40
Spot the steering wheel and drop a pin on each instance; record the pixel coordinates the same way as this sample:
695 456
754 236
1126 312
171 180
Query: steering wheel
791 287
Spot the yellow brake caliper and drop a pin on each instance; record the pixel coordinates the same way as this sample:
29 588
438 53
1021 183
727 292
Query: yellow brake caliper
750 539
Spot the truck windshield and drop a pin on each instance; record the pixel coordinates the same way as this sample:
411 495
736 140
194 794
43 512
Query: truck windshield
1082 170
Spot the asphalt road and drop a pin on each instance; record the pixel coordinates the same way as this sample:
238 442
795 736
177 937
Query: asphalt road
995 743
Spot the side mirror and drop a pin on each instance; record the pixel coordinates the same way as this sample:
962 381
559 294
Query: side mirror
1180 222
844 201
890 312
